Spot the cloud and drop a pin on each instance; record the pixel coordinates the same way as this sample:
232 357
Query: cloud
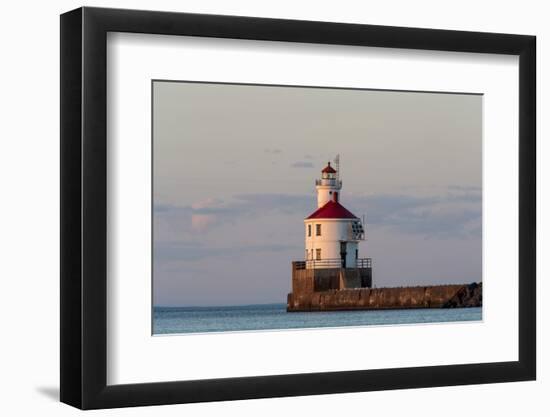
243 205
160 208
202 216
196 250
205 214
202 222
455 214
464 188
273 151
207 203
301 164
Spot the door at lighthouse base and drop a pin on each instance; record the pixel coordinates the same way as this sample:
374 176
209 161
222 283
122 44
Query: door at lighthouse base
343 253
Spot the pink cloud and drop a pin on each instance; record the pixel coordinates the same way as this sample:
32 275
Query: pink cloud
202 222
207 203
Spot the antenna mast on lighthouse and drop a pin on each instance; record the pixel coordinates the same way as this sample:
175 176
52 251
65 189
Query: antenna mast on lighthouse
337 165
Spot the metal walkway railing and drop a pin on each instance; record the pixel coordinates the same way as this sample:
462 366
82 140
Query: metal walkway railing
331 263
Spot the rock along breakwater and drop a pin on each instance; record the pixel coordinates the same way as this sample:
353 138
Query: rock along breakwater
436 296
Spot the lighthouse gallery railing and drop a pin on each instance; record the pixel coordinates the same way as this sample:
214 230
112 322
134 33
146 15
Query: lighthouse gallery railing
329 181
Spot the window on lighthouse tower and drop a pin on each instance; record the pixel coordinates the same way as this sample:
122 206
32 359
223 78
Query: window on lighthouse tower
317 230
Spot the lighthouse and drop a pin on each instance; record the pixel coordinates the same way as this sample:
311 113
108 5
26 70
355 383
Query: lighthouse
332 232
332 237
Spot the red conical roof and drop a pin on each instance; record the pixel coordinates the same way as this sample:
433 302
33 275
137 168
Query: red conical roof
332 210
329 170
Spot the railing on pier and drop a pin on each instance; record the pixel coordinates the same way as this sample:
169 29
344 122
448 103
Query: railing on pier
324 263
331 263
363 263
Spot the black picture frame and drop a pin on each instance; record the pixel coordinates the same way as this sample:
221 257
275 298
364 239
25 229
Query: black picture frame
84 207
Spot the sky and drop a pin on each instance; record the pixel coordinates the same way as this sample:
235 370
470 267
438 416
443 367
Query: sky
234 169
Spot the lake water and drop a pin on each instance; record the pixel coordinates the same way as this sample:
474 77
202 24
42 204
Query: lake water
168 320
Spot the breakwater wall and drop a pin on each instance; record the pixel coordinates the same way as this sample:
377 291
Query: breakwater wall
436 296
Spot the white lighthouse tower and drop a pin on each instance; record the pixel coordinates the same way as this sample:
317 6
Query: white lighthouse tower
332 233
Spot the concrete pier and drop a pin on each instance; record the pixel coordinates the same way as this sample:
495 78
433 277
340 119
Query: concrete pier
437 296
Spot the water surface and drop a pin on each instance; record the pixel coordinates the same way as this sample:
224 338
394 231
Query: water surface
168 320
